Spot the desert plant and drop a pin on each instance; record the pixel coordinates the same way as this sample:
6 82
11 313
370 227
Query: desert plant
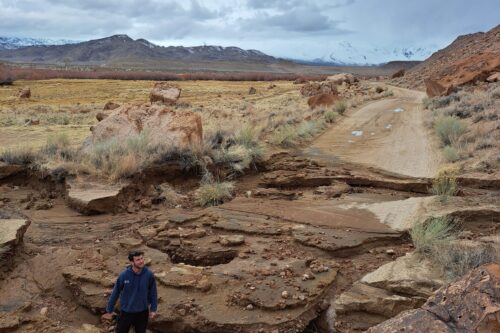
19 156
286 136
432 234
379 89
450 154
458 257
445 185
331 116
449 129
214 193
340 107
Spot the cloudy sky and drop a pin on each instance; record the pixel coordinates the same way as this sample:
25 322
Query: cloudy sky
300 29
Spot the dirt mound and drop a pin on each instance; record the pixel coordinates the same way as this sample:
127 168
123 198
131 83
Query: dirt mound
464 46
164 125
468 305
322 100
316 88
165 92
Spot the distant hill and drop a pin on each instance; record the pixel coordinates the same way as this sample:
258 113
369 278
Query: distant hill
441 61
10 43
120 50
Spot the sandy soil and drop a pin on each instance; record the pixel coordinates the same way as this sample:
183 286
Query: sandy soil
394 141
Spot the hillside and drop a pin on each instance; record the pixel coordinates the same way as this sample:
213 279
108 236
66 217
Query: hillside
121 49
440 62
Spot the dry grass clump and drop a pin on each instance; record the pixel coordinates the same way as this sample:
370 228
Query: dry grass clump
214 193
445 184
340 107
432 234
21 156
450 153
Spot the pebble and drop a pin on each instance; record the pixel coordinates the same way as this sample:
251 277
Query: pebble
249 307
284 294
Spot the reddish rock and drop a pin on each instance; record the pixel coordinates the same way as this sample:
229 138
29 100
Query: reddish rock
341 78
25 93
434 88
165 92
471 304
110 106
316 88
163 125
495 77
399 73
322 100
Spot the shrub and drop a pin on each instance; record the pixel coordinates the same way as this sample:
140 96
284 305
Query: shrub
20 156
307 129
286 136
444 185
340 107
428 236
331 116
450 154
214 193
426 101
458 257
449 129
379 89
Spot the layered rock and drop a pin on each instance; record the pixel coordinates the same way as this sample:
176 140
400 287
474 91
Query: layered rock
11 235
471 304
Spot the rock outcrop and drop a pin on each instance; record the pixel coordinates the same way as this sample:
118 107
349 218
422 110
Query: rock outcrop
163 125
316 88
341 78
11 235
322 100
165 92
471 304
399 73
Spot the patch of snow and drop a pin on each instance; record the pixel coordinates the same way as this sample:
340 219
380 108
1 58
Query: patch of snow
398 110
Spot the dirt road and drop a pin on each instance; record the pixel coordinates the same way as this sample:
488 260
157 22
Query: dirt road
388 134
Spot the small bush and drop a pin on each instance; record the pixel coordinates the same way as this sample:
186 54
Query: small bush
450 154
445 185
286 136
340 107
449 129
21 156
428 236
379 89
331 116
214 193
426 101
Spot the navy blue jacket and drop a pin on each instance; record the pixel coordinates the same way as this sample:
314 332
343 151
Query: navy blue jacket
136 291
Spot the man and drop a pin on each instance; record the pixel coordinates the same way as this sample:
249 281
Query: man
136 287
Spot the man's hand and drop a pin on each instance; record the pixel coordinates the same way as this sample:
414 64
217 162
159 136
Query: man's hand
107 316
152 315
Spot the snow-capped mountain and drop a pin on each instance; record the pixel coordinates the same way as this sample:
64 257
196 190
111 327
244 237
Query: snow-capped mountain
10 43
345 53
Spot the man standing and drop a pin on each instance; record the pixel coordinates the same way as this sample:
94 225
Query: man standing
136 287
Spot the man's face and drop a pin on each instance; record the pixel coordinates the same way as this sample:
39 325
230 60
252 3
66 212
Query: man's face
138 262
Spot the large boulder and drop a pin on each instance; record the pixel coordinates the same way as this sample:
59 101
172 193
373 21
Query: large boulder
165 92
341 78
471 304
316 88
322 100
163 125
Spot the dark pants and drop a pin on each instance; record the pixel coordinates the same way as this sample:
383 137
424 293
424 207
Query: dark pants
138 320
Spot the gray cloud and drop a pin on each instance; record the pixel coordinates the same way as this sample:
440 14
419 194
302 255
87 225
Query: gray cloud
287 28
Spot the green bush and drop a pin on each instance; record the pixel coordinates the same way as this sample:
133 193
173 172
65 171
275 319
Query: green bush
428 236
450 154
286 136
340 107
331 116
214 193
445 185
449 129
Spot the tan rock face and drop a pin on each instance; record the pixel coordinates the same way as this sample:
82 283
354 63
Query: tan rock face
164 126
165 92
471 304
11 234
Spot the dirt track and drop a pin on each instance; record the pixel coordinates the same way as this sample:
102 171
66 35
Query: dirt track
394 141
